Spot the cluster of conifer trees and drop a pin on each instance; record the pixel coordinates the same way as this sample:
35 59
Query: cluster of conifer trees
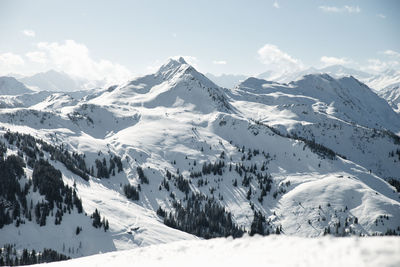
201 216
9 256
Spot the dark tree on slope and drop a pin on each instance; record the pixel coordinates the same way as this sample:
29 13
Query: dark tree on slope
48 180
143 179
131 192
8 258
102 170
11 170
395 183
96 219
201 217
98 222
29 145
258 225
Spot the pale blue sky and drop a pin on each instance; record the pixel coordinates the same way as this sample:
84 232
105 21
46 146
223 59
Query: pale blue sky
134 37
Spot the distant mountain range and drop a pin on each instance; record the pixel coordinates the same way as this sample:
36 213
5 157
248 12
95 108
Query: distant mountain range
376 81
55 81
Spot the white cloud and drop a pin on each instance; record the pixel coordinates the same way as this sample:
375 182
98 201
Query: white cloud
277 60
276 4
11 59
219 62
10 62
377 65
352 9
74 58
328 61
390 60
391 53
335 9
37 56
329 9
29 33
381 16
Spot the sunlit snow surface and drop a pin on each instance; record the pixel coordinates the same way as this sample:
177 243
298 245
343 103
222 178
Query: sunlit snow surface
256 251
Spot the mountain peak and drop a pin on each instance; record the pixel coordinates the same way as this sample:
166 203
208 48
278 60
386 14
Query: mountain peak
173 62
181 60
314 78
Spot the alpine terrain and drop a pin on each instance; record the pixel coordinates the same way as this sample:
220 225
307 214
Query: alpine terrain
171 156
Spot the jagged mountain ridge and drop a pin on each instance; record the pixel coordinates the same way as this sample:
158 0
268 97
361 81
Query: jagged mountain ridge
228 147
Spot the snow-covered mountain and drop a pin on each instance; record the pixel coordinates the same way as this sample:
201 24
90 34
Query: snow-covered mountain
330 111
339 71
335 71
30 99
10 86
58 81
375 81
172 156
392 95
387 78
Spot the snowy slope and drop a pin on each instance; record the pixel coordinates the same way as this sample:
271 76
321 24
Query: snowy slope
177 121
264 251
45 98
392 95
175 84
23 100
382 80
342 114
10 86
122 214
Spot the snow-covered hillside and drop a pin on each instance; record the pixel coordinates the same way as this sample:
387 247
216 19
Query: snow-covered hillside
264 251
383 80
342 114
308 158
392 95
10 86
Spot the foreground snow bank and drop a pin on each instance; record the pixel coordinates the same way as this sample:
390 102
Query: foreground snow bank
257 251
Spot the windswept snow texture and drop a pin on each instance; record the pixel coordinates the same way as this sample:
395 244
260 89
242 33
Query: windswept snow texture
322 145
256 251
